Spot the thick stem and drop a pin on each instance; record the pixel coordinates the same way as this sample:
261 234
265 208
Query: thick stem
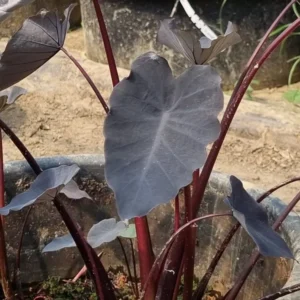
107 46
102 283
232 294
88 78
6 286
145 252
169 276
161 258
134 292
205 279
286 291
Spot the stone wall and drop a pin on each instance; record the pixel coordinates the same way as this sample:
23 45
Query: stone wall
133 25
15 21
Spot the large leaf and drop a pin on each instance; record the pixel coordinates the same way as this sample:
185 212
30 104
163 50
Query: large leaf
105 231
197 52
45 187
254 220
157 131
61 242
8 6
9 96
39 39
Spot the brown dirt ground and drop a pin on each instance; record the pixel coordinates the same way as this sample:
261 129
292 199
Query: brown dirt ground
61 115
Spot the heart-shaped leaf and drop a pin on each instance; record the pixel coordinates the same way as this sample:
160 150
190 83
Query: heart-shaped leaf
45 187
8 6
61 242
157 131
254 220
9 96
105 231
197 52
39 39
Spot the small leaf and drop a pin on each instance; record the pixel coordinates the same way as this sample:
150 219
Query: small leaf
105 231
9 96
8 6
61 242
44 188
254 220
39 39
157 131
197 52
129 232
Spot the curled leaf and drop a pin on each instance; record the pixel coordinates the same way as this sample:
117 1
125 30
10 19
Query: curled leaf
157 131
254 220
39 39
8 6
45 187
59 243
197 52
105 231
9 96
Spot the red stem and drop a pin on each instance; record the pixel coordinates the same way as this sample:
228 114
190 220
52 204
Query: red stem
189 249
229 114
163 253
205 279
6 287
176 213
170 275
99 276
145 251
107 45
232 294
88 78
178 281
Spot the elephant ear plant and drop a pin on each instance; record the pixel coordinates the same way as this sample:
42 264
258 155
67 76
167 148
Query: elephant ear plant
156 133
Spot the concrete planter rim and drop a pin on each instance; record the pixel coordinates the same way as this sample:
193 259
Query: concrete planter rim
95 163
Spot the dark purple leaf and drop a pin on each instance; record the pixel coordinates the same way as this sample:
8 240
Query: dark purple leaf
157 131
8 6
9 96
197 52
254 220
39 39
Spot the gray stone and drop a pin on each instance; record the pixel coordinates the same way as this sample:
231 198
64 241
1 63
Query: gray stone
15 21
268 276
132 27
